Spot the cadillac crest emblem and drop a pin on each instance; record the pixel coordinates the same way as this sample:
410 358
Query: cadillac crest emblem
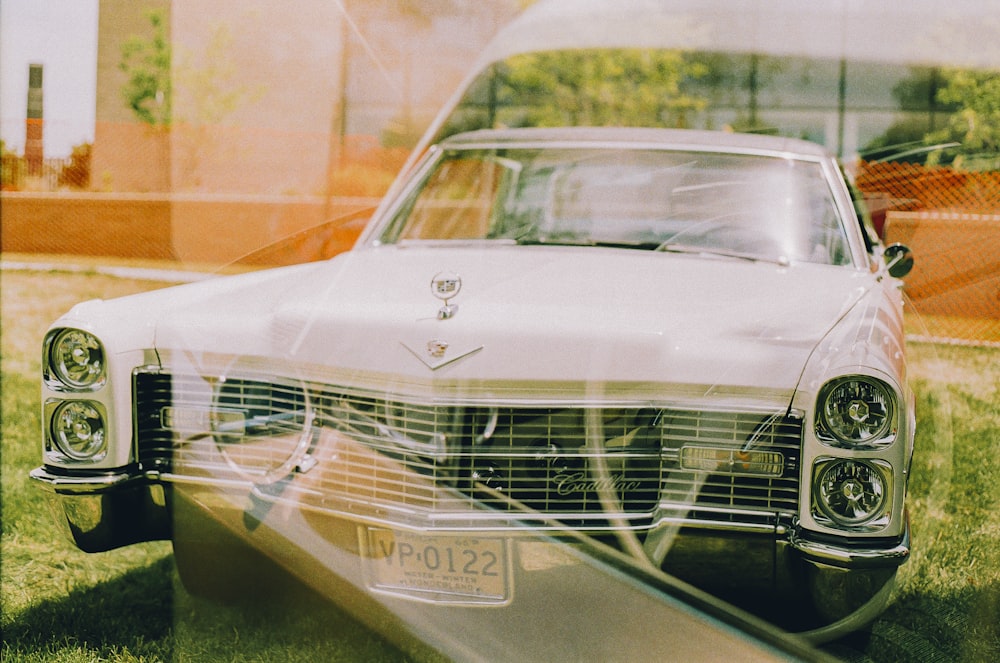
436 348
444 286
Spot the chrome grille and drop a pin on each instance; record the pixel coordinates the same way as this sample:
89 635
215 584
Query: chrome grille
582 467
565 460
256 429
727 495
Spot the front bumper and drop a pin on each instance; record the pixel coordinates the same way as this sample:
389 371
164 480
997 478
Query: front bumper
847 585
106 511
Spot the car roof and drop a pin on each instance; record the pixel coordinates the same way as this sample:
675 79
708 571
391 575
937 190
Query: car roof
912 33
654 138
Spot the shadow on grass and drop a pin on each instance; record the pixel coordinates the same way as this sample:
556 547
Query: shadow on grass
132 614
293 625
961 627
146 615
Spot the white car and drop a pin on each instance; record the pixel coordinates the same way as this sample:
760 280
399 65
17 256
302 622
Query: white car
685 345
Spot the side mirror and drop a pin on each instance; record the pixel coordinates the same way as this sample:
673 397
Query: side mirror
898 259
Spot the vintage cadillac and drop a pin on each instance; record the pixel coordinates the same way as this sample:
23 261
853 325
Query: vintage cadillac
682 347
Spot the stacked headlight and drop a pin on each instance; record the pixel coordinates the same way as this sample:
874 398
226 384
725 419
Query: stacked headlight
78 429
851 493
856 412
76 360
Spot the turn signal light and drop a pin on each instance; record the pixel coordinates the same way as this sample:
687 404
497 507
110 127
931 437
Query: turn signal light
732 461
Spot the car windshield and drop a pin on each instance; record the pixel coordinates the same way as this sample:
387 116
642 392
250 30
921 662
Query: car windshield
753 206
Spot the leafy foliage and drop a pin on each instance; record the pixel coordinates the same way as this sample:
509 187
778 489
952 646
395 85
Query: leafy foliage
146 62
12 169
615 87
623 88
208 82
953 118
976 122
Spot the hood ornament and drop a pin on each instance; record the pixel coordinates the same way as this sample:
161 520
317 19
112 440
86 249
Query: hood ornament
444 286
437 352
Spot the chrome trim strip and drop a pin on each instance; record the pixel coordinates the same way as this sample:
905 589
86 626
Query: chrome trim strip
686 510
772 403
471 521
190 480
72 485
637 144
484 521
826 553
719 526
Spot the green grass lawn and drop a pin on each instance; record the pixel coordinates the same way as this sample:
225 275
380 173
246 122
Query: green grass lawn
947 606
59 604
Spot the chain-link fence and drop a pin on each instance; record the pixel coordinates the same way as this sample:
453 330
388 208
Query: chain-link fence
951 219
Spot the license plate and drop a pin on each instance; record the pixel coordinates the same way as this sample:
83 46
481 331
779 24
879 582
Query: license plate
437 569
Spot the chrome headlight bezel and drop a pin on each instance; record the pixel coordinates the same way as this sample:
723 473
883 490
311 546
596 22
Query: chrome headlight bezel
74 360
857 412
852 494
76 431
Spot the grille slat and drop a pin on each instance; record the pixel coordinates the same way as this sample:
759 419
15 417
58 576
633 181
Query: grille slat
572 464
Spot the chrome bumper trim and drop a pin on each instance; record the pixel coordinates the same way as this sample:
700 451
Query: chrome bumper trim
78 485
826 553
833 555
106 511
191 480
719 526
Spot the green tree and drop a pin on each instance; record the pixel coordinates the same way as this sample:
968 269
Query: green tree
975 123
627 87
12 169
598 87
207 91
208 86
952 116
909 138
146 62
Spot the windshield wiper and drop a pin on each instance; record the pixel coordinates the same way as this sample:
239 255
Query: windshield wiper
672 247
436 243
588 241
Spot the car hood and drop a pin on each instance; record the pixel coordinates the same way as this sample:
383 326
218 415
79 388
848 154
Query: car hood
568 322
